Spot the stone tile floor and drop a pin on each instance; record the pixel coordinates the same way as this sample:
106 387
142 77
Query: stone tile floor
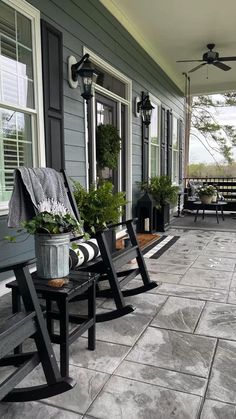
174 357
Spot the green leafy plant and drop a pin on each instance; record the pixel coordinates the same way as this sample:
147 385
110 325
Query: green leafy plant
207 190
161 189
49 223
99 206
108 146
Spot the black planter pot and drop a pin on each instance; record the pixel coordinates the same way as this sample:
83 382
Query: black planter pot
162 217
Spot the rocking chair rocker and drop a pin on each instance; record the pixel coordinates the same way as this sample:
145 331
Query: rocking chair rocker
109 265
19 327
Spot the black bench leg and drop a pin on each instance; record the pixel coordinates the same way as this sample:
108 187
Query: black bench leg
92 315
217 215
16 308
196 215
222 214
64 337
50 322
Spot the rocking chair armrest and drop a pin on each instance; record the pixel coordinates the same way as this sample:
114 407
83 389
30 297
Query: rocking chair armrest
17 265
131 220
74 238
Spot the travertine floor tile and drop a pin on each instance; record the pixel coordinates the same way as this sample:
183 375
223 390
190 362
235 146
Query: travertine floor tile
218 320
32 410
122 398
214 263
179 314
223 377
196 293
162 377
207 278
124 330
176 351
213 409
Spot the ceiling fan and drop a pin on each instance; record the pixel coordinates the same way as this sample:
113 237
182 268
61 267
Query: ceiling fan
210 57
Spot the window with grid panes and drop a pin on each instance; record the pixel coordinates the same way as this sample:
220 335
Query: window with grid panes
154 142
175 151
18 113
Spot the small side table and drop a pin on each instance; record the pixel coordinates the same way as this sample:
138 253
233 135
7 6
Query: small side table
214 206
76 286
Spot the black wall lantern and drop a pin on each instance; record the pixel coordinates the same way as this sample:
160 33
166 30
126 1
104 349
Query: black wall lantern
86 71
145 107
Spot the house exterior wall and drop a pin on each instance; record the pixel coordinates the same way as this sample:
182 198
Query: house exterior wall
88 23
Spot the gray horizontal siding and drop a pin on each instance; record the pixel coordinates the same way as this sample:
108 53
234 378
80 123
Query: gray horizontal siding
88 23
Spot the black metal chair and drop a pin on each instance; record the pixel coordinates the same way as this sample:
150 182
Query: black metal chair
110 263
15 331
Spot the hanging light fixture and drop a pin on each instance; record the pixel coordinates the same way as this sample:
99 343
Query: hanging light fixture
86 71
145 108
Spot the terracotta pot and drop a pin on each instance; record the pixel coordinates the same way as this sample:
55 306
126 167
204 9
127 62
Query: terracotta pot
206 199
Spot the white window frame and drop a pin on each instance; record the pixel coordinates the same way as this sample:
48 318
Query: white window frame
38 140
175 150
128 102
155 101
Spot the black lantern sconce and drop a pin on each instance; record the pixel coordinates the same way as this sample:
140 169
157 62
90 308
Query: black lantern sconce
144 107
85 70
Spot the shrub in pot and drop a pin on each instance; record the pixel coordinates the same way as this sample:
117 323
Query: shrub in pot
164 194
99 206
52 239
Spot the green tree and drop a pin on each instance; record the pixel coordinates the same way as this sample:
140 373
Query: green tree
204 125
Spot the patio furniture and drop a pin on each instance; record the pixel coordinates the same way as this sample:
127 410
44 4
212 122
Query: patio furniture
225 187
109 265
19 327
214 206
75 288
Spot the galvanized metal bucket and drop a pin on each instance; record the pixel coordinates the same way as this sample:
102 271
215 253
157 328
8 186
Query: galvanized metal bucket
52 255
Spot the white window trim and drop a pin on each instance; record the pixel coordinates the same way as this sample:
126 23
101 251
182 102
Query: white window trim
38 136
128 82
174 149
157 102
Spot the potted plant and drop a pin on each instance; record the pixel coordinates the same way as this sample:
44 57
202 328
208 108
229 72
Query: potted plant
206 193
52 238
99 206
164 194
108 145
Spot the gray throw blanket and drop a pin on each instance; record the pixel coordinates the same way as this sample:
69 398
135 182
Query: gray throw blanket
37 190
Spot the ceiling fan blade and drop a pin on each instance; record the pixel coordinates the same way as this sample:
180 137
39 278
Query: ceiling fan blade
222 66
226 59
189 61
196 68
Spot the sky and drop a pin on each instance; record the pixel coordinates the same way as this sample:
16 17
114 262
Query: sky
198 153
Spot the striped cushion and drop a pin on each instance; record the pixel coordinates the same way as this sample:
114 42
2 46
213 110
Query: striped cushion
84 252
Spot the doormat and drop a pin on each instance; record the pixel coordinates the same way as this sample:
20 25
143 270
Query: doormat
144 240
156 249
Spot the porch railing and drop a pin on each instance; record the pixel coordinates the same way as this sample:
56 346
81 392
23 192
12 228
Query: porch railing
225 185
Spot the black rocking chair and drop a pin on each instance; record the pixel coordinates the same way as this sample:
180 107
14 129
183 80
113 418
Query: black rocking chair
19 327
110 263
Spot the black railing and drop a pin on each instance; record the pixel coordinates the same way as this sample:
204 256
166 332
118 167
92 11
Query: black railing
226 186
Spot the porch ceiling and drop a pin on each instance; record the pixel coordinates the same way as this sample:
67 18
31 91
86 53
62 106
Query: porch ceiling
177 30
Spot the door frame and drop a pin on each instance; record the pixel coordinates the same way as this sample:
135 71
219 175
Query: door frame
128 102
